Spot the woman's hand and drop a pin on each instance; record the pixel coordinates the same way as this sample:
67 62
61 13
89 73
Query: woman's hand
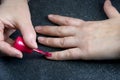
84 39
14 14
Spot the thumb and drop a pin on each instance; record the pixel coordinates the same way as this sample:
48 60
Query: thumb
28 32
110 10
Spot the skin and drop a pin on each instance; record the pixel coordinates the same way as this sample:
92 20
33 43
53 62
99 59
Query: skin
87 40
14 14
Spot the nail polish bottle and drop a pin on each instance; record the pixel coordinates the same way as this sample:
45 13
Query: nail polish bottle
20 45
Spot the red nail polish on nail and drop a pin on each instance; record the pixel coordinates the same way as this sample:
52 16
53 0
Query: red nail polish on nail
20 45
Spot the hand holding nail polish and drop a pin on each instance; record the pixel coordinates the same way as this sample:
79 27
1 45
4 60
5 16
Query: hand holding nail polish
20 45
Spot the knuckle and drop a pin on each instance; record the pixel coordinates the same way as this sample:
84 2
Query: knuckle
62 42
67 21
69 53
47 41
73 54
60 31
1 28
57 56
32 35
45 29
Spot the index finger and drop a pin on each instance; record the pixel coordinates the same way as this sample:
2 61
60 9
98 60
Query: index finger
65 21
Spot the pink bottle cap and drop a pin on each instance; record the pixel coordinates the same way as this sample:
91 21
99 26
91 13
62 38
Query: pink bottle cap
20 45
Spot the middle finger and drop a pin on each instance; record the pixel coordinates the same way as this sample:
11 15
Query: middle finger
61 31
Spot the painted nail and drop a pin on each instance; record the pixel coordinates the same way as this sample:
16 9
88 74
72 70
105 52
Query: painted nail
48 54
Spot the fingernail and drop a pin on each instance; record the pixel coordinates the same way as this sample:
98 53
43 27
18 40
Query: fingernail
51 15
108 2
48 54
38 28
34 44
18 54
41 38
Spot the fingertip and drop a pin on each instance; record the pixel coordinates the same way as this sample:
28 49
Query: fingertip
13 52
38 28
50 57
18 54
9 50
54 16
30 41
33 44
41 39
55 56
107 3
50 15
110 10
28 33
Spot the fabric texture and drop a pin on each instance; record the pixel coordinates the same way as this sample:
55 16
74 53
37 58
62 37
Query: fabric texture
36 67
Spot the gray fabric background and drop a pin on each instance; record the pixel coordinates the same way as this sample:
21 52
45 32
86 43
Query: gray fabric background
36 67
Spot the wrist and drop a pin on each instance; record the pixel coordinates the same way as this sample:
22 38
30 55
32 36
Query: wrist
13 2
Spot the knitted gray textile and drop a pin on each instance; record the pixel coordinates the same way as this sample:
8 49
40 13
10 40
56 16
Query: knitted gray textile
36 67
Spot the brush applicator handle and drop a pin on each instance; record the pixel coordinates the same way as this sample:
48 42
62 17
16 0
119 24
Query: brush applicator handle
20 45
